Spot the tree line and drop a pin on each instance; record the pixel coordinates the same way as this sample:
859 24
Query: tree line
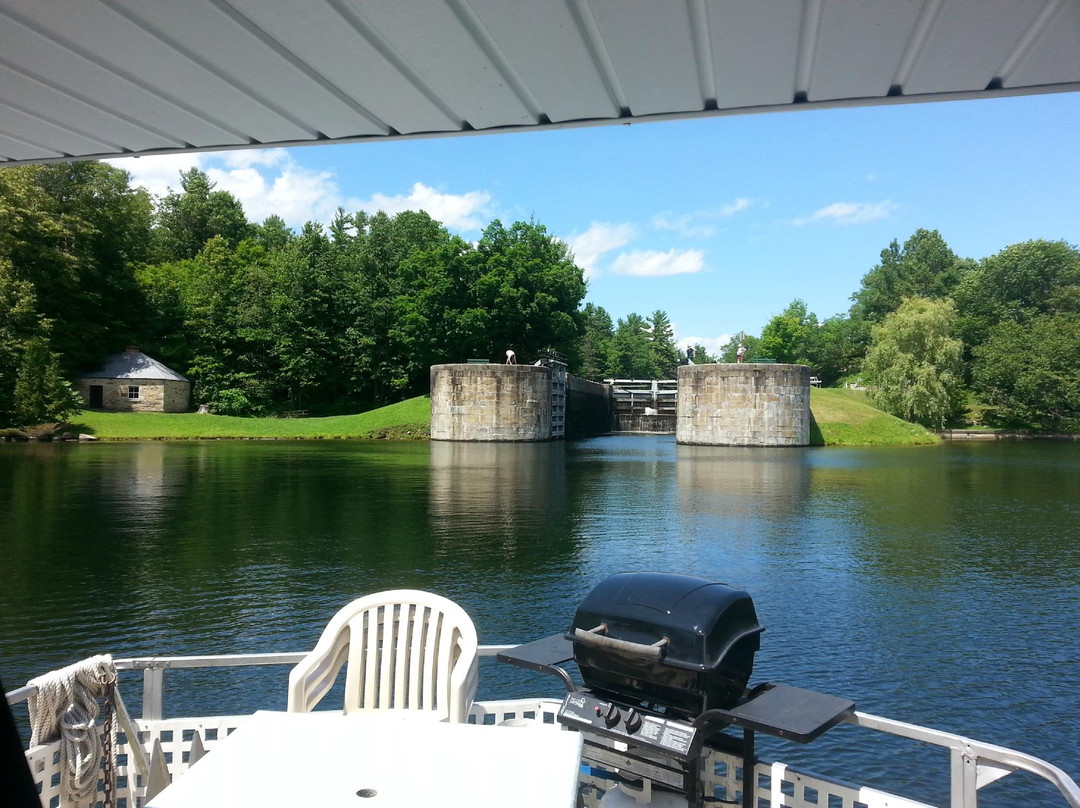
331 319
348 316
934 336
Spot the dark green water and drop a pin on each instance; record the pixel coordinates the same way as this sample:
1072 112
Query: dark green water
936 585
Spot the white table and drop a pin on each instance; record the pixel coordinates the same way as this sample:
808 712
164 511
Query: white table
380 760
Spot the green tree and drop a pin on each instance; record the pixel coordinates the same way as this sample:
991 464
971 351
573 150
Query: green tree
914 363
595 346
632 355
702 355
1030 373
529 283
728 353
19 323
42 394
662 341
304 321
1016 285
785 335
185 221
386 269
273 234
834 348
76 233
925 267
516 290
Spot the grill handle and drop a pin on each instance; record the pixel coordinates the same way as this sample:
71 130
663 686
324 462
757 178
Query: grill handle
595 636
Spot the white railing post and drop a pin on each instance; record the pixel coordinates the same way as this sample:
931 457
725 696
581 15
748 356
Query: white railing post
153 691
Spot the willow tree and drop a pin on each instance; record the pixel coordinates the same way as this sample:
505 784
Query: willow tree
915 363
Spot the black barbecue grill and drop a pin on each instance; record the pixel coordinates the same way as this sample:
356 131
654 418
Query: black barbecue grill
665 661
682 644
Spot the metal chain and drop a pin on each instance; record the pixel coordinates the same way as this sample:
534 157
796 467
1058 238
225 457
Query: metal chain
108 799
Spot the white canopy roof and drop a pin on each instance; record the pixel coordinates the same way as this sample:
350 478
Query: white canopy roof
103 78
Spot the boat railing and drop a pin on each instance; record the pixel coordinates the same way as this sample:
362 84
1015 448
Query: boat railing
972 764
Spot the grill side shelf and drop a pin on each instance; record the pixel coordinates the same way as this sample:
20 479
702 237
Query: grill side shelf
784 711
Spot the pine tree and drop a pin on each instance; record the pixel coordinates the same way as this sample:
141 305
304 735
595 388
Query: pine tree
41 392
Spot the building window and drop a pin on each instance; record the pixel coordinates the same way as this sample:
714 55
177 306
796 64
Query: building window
133 393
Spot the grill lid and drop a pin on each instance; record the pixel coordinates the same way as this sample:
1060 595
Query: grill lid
676 640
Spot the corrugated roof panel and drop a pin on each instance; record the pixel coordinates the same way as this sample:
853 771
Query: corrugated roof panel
969 42
1054 56
652 48
251 58
163 66
73 113
14 148
330 44
444 54
549 51
47 134
755 54
147 76
87 76
859 48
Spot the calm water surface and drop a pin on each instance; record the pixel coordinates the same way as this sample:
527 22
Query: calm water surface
936 585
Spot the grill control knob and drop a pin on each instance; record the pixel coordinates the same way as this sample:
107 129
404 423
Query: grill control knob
633 721
612 716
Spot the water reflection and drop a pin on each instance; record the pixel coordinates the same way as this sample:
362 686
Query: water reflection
940 584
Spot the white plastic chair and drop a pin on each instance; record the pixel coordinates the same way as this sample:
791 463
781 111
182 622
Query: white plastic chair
406 650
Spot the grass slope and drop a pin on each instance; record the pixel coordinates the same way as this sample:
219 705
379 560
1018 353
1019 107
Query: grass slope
845 418
839 418
407 420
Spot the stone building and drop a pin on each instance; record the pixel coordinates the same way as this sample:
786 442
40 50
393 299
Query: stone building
133 382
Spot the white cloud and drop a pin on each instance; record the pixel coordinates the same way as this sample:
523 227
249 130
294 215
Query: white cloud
735 206
456 211
700 224
849 213
685 225
653 263
159 173
599 239
271 181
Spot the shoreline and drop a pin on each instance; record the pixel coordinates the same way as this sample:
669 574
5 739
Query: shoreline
1004 434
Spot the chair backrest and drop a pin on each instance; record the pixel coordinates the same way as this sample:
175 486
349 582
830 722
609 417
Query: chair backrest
406 650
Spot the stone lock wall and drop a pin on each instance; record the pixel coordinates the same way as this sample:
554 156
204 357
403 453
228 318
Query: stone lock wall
490 402
744 404
155 395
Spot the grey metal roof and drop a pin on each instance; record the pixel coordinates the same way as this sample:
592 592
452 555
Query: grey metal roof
131 365
101 78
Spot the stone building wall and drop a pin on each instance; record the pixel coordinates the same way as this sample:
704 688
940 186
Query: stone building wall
155 395
744 405
490 402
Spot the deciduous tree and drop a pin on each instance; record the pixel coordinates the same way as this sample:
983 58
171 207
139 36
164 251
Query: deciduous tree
914 364
924 267
1030 373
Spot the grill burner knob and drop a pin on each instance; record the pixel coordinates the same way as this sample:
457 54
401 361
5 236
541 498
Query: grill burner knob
612 716
633 721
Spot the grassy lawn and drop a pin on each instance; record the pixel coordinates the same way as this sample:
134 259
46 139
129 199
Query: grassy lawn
407 420
845 418
840 418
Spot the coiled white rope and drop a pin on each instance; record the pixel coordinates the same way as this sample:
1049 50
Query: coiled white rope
65 707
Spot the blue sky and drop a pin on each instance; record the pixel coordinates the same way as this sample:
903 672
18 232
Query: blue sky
722 222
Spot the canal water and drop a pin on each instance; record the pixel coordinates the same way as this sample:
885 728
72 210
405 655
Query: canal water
937 585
